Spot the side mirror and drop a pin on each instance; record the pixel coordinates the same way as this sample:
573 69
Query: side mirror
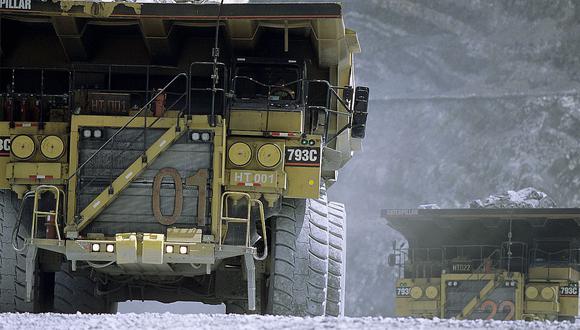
392 260
359 117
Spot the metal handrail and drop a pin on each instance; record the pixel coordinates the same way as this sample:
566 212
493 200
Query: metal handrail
42 95
215 79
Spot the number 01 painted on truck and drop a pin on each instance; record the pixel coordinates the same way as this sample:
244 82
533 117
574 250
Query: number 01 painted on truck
199 180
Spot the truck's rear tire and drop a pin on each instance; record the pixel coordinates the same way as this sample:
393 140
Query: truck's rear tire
75 292
13 264
299 269
336 259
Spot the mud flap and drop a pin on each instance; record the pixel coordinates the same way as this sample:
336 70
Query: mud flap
251 275
30 268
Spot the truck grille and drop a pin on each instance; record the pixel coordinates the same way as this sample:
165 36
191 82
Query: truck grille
132 211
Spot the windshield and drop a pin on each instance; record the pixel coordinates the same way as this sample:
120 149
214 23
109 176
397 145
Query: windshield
281 80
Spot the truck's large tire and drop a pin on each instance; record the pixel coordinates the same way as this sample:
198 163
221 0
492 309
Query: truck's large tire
13 264
75 292
336 259
299 268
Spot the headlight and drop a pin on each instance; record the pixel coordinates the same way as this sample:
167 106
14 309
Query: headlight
96 247
23 146
269 155
240 153
548 293
110 248
87 133
52 147
416 292
205 136
98 133
531 292
431 292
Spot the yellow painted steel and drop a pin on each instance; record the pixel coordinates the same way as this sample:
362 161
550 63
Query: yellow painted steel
266 121
52 147
190 235
27 173
120 183
413 304
22 146
126 245
269 155
153 249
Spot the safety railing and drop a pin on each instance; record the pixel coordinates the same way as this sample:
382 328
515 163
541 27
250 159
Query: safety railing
40 94
473 259
213 89
226 219
111 140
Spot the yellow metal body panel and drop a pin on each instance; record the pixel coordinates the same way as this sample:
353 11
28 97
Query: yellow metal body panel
542 307
553 273
418 306
274 120
152 252
304 181
7 134
126 245
569 306
190 235
22 173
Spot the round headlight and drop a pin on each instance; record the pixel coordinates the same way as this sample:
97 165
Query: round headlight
431 292
87 133
416 292
52 147
531 292
96 247
269 155
22 146
240 154
548 293
205 136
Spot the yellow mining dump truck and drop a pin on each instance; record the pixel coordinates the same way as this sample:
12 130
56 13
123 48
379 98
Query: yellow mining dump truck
502 264
174 152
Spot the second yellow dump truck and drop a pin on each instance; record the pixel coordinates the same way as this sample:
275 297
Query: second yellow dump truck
500 264
174 152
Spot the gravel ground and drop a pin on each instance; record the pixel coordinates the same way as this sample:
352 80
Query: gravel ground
243 322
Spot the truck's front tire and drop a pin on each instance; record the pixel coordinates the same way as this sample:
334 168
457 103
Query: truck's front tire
75 292
13 264
299 268
336 260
